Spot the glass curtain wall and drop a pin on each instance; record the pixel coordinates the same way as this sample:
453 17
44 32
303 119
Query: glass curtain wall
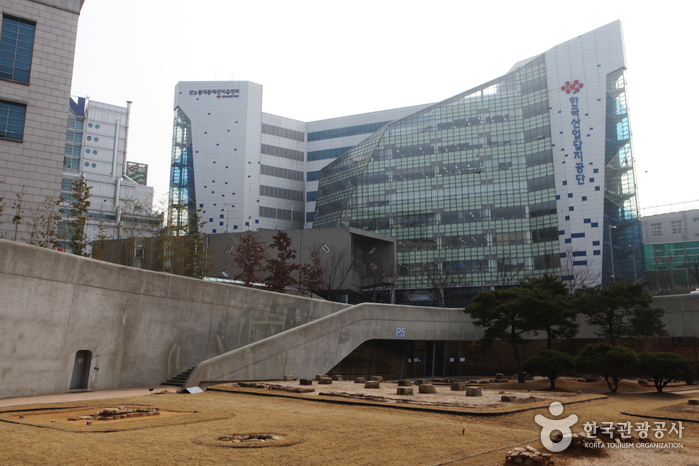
182 197
621 212
466 186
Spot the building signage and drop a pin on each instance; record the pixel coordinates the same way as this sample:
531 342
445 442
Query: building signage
575 87
219 93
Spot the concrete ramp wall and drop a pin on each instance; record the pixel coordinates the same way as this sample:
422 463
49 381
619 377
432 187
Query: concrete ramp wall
140 327
316 347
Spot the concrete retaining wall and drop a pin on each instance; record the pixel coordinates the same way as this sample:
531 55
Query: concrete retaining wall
142 327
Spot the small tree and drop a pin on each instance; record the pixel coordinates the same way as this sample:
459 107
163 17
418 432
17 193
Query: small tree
336 265
249 257
17 207
43 224
607 360
280 269
666 367
621 310
549 363
196 252
549 306
76 216
2 209
499 312
311 276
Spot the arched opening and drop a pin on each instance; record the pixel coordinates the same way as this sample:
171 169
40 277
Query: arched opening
81 370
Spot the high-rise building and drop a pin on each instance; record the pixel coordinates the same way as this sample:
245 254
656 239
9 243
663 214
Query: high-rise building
527 174
37 45
96 142
530 173
249 170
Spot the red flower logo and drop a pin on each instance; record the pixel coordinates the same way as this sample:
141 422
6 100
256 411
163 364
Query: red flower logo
573 87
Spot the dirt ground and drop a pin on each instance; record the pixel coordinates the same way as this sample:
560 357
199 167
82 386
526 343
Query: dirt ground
326 432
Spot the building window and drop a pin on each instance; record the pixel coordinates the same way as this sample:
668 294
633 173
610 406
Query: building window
12 120
656 229
16 45
676 227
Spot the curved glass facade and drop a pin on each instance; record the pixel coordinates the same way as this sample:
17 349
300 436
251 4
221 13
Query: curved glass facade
466 185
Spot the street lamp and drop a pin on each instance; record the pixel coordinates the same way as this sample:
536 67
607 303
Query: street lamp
634 263
611 250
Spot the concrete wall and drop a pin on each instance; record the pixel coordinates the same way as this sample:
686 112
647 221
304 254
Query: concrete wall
316 347
142 327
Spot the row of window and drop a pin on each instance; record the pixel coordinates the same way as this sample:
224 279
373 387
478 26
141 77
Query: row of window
657 228
347 131
281 193
282 152
281 172
326 154
281 214
283 132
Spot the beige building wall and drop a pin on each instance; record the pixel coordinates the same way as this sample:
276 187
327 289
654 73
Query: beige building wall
34 164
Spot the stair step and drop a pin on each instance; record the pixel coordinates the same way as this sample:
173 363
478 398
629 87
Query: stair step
179 379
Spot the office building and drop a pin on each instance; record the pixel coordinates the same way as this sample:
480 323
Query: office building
671 247
96 141
249 170
527 174
37 43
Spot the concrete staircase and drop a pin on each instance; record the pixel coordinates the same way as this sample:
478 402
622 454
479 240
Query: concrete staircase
179 379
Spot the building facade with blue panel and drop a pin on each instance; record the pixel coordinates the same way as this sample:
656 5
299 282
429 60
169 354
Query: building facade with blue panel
530 173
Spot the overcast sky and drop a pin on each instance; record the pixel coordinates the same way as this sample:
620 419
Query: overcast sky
322 59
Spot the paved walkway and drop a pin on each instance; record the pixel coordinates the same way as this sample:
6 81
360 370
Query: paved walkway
79 396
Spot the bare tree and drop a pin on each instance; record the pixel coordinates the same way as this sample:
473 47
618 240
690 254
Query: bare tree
578 276
43 223
2 209
337 265
17 207
311 276
509 270
442 281
249 257
280 269
662 265
692 265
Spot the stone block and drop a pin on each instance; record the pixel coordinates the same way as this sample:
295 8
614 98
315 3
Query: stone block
320 376
499 376
405 390
507 398
420 382
458 386
427 388
405 383
288 378
693 401
306 381
325 381
372 384
337 378
359 380
474 391
377 378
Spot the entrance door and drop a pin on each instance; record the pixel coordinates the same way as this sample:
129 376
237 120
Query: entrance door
81 370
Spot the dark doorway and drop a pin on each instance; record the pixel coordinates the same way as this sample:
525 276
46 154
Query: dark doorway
81 370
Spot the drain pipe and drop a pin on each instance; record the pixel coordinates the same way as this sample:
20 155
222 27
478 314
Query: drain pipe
126 134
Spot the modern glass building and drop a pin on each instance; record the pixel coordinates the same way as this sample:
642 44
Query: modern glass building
527 174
